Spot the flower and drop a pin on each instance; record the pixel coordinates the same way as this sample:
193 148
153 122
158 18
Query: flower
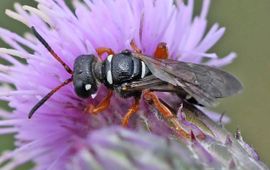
61 129
132 152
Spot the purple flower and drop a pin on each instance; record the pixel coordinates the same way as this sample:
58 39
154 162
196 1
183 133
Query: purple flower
60 128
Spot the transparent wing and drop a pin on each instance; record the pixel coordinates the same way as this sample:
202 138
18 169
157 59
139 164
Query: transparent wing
151 83
202 82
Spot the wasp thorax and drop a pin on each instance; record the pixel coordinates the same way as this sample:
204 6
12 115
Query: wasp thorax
84 80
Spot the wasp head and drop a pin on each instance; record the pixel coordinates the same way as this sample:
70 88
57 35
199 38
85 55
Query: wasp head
84 80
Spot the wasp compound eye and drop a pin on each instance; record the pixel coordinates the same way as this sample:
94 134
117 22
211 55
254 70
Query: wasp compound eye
83 77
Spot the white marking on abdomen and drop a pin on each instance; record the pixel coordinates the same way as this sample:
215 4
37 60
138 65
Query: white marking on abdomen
109 77
143 70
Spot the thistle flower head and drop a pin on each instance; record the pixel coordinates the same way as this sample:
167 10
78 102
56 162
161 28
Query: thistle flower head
61 135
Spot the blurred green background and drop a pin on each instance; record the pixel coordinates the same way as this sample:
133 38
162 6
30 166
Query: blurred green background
248 34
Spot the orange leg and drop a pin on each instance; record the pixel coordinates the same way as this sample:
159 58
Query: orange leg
133 109
134 46
166 113
101 51
162 51
103 105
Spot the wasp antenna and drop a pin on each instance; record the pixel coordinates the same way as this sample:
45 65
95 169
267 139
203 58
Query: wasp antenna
47 46
45 98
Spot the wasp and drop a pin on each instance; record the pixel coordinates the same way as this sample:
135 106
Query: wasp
133 74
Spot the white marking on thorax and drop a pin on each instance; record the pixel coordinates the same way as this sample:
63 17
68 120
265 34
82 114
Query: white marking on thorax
109 58
143 70
87 87
109 73
109 77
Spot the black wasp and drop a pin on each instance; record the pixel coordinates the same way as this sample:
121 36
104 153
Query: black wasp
132 74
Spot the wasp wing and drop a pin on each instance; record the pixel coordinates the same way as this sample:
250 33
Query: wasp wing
202 82
151 83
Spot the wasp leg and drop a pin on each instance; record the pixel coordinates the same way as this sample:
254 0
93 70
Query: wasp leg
135 47
101 51
103 105
133 109
167 114
162 51
192 115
